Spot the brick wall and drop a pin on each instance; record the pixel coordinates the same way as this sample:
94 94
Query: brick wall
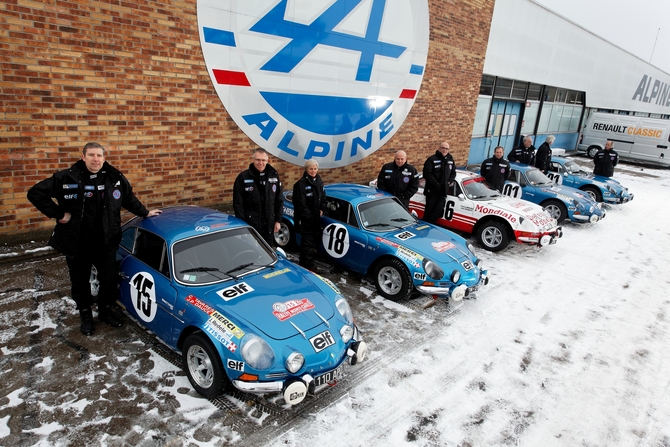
130 75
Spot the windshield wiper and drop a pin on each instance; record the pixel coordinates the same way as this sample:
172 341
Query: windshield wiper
239 267
378 225
400 219
200 269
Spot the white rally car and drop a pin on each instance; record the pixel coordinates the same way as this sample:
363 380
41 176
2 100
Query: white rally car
472 207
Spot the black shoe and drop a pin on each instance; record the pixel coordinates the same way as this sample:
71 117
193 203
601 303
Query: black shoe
86 325
106 315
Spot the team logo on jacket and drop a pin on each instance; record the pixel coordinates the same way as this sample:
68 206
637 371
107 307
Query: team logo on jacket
331 80
116 194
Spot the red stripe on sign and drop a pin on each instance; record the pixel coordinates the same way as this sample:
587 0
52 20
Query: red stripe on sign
231 77
408 94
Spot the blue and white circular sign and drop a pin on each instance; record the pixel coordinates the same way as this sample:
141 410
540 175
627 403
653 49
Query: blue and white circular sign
331 80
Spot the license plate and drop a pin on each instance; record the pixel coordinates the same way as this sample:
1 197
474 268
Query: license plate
329 376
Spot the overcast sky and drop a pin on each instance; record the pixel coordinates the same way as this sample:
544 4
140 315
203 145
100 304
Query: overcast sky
629 24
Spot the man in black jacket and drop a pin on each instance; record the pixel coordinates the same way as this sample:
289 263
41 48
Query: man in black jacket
439 171
258 198
309 203
496 169
399 178
89 197
543 155
524 153
605 160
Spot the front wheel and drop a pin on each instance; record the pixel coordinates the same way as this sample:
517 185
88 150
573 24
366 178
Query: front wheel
556 209
284 237
591 151
493 236
203 365
392 279
593 192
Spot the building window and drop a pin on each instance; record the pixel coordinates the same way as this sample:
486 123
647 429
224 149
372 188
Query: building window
534 92
486 88
519 90
503 88
483 105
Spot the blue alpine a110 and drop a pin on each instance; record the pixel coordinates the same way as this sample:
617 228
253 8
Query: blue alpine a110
209 287
369 232
564 171
560 201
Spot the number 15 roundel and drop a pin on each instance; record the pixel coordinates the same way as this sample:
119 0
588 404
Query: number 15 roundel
143 295
335 240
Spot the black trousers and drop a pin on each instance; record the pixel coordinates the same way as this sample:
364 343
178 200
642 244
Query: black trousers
308 248
434 208
80 275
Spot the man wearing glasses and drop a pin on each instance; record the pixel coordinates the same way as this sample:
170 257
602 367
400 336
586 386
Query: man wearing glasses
439 171
258 198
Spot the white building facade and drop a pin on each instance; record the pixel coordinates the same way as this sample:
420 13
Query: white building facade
543 74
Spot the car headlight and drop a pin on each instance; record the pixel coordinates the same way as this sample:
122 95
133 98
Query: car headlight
591 209
294 362
578 204
610 189
472 247
455 276
432 269
256 352
346 332
344 309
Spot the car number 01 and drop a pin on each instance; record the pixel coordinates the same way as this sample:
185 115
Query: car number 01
336 240
554 177
512 190
329 376
143 295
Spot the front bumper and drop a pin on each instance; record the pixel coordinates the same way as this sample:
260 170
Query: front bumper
541 239
295 389
454 292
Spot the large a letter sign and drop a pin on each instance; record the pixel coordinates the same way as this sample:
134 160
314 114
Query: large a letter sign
331 80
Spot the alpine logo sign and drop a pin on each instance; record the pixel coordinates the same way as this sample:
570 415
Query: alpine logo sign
331 80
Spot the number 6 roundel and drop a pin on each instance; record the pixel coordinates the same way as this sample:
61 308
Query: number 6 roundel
143 295
335 240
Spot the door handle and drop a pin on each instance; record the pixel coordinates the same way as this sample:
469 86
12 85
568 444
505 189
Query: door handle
123 275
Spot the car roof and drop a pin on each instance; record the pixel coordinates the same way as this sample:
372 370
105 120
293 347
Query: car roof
354 193
179 222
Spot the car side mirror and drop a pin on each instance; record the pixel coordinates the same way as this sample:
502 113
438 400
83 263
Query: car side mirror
281 252
565 174
461 196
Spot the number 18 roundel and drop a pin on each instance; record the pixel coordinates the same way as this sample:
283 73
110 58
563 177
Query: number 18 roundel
336 240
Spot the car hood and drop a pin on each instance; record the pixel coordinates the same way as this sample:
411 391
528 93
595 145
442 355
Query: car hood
275 301
426 241
566 193
511 208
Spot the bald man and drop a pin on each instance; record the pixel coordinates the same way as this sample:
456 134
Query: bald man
399 178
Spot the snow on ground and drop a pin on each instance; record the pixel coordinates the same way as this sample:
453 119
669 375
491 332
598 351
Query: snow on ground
569 346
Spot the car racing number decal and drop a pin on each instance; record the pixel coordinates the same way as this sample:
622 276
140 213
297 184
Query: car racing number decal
512 189
449 212
143 295
336 240
555 177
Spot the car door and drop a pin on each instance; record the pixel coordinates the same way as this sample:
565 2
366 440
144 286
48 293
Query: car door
559 175
515 186
146 288
458 212
342 238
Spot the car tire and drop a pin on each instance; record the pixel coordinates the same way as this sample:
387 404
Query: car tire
556 209
203 366
284 237
594 192
591 151
493 236
392 279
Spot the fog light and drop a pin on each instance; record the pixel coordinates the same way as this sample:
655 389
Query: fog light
295 392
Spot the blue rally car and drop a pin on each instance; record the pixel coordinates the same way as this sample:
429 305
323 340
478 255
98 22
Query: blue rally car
560 201
208 286
601 189
370 232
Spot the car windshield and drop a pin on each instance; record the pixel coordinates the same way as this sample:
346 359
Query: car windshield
573 168
535 177
220 256
384 214
476 189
